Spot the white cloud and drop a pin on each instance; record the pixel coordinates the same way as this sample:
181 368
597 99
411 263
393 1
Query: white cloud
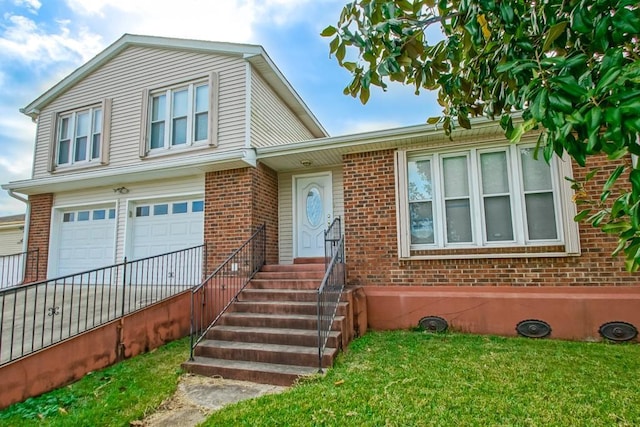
229 20
359 126
24 41
32 5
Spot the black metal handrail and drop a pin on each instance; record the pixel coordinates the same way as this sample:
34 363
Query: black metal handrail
214 295
40 314
332 285
14 266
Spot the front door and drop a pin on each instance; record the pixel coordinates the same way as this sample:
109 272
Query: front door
313 213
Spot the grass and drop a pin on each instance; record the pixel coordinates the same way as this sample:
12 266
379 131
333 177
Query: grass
402 378
113 396
417 379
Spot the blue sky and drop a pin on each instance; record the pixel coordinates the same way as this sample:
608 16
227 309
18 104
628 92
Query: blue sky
42 41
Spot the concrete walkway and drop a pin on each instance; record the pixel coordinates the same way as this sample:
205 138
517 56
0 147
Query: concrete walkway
197 397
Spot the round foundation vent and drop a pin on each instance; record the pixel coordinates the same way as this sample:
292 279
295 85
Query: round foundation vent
533 328
618 331
433 324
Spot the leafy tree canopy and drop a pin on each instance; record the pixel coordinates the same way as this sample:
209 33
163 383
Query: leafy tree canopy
570 67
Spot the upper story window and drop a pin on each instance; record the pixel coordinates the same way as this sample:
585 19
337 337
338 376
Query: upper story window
179 116
79 136
479 198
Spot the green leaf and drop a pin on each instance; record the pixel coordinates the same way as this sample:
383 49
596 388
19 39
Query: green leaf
329 31
607 80
613 178
582 215
433 120
364 95
554 32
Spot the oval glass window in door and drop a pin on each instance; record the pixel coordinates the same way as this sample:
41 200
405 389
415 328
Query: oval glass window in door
314 207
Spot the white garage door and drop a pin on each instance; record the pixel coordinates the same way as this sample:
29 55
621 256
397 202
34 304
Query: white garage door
166 226
86 240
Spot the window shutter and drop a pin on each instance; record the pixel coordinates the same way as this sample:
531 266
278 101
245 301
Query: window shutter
144 123
106 131
402 200
53 142
568 206
213 109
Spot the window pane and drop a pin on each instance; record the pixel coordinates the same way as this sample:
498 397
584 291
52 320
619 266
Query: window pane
180 99
421 220
142 211
68 217
63 152
202 98
536 173
161 209
179 131
81 149
97 121
82 124
112 213
64 128
497 213
158 108
456 180
99 214
420 181
494 173
179 208
157 135
95 146
197 206
83 216
202 126
458 214
541 217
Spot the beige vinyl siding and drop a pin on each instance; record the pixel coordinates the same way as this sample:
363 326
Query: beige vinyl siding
140 191
272 122
11 240
285 208
126 76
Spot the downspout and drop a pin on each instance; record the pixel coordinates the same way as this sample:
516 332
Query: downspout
27 219
25 235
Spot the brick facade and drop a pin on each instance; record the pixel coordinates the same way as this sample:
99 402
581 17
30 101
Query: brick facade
236 203
39 229
372 245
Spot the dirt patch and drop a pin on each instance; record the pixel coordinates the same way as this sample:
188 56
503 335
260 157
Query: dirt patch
196 397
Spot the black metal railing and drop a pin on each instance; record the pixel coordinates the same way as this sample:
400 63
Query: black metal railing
214 295
333 283
37 315
14 266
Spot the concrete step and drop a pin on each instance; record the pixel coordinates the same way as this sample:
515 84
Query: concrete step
264 373
298 321
284 295
301 284
286 336
279 307
309 260
304 274
292 267
264 353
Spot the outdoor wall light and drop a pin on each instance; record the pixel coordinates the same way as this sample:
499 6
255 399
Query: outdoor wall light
306 163
121 190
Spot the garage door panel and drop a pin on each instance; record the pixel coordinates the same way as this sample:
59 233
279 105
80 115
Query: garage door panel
166 226
87 244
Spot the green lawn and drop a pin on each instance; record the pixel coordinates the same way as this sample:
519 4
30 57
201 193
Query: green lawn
397 378
415 379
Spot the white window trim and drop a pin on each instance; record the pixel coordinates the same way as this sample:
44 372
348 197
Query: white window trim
212 126
105 138
567 228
